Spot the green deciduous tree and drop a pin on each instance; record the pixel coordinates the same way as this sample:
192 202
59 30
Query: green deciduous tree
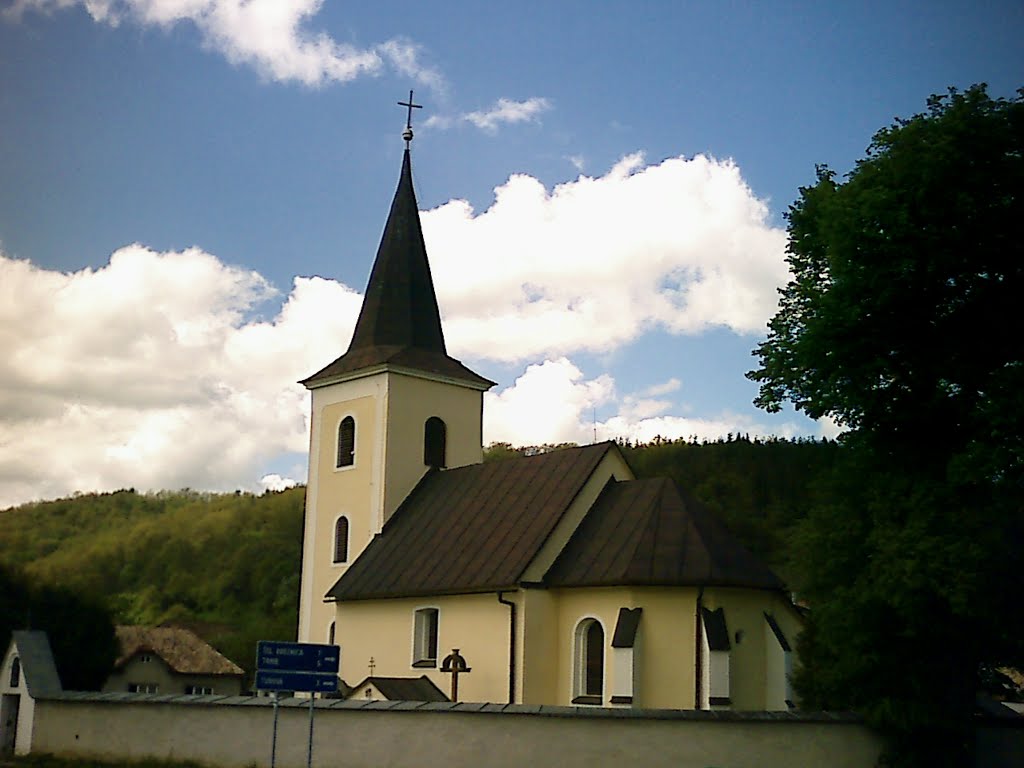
902 322
80 629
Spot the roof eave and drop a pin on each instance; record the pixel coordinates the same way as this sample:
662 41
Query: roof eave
421 593
316 383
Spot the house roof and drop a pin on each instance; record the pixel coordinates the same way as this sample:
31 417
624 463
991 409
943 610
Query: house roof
399 324
652 533
404 688
36 660
471 529
183 650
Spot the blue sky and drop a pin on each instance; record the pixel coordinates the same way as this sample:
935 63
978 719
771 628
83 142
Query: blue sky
192 192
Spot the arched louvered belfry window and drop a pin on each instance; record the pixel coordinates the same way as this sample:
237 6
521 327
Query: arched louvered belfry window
435 437
347 442
341 540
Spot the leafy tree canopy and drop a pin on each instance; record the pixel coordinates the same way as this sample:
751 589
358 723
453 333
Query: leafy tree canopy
79 628
900 322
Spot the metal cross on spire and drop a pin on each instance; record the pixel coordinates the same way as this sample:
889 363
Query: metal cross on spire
407 133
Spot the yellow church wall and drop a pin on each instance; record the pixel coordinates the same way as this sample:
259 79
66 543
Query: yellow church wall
751 685
478 625
411 401
353 491
666 652
537 664
573 606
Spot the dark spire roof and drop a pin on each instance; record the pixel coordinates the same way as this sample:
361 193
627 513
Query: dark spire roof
399 323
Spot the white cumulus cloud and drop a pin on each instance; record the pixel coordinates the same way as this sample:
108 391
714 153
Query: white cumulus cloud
147 373
594 263
274 482
553 402
273 36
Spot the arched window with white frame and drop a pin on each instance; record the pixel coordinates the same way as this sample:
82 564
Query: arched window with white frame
588 662
346 442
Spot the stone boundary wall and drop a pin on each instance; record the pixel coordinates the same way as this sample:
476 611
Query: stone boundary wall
236 731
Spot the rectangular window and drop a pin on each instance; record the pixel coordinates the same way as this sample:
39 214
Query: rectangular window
424 652
143 688
198 690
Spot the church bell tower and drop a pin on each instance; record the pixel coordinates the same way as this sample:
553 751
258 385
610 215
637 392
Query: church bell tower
389 410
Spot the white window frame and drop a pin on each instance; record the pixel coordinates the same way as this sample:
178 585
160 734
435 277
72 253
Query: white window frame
579 660
355 442
421 638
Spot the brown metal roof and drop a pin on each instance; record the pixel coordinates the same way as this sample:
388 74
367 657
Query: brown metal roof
403 688
650 532
183 650
399 323
471 529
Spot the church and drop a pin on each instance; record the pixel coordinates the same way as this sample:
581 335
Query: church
555 579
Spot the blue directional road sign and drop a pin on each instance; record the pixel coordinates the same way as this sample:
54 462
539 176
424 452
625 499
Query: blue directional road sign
267 680
297 657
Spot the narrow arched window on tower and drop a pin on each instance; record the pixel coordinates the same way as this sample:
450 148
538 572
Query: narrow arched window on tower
435 437
341 540
347 442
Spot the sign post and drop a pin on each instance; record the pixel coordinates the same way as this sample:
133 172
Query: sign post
308 667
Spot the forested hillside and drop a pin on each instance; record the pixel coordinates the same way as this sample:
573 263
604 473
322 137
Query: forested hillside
227 565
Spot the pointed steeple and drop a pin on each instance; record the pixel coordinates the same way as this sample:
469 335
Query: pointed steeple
400 306
399 325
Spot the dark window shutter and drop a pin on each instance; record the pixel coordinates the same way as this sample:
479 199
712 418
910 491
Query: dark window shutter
341 540
594 662
347 442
